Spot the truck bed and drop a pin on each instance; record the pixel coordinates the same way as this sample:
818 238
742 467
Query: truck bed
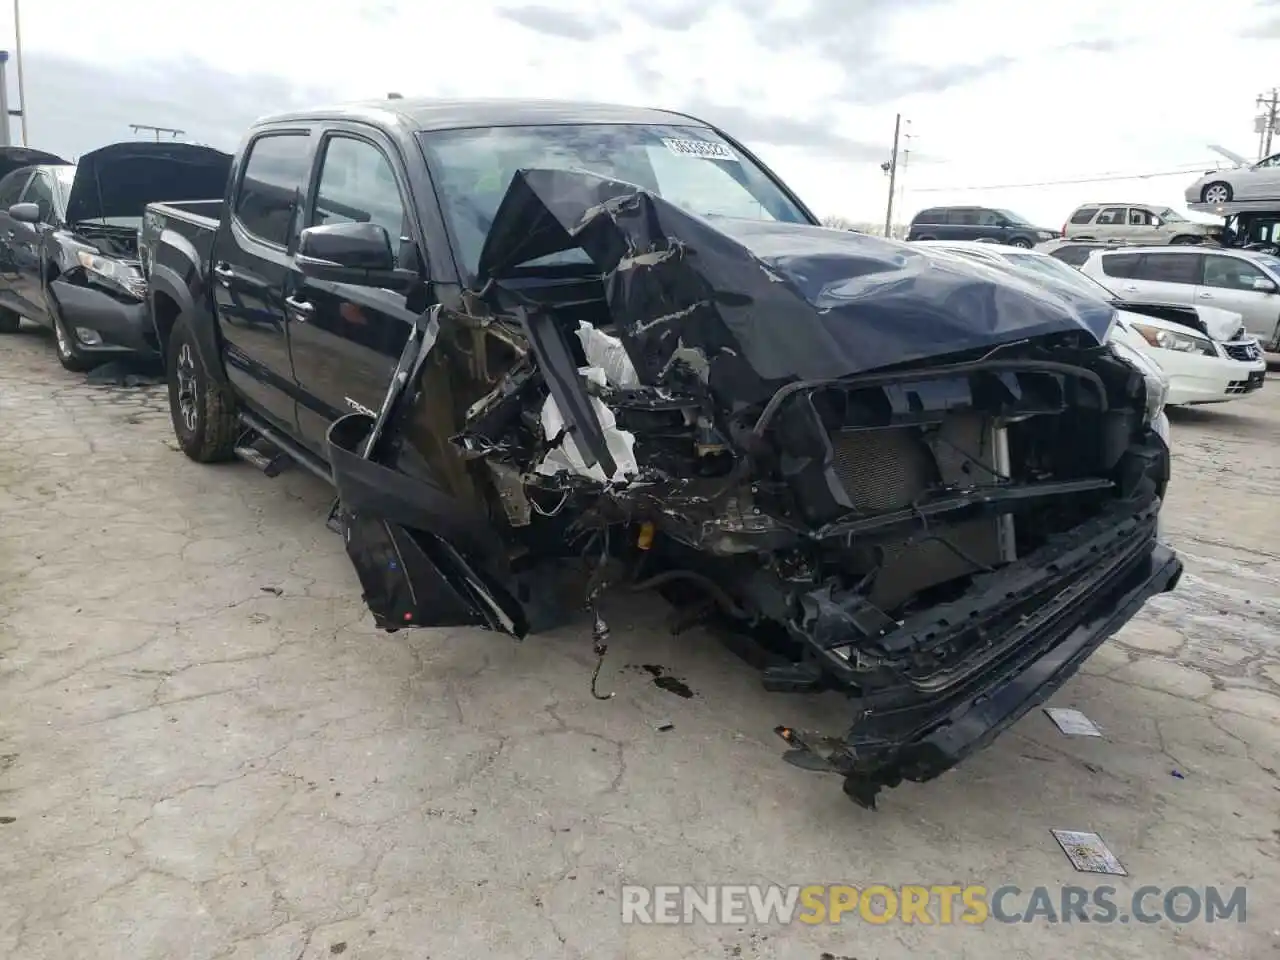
200 213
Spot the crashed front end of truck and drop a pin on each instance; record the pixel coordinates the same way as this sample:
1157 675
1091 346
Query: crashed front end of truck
924 484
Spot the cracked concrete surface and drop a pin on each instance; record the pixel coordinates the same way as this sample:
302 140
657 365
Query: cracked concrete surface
206 751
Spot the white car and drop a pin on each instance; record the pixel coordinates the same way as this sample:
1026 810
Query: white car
1136 223
1248 181
1242 281
1202 350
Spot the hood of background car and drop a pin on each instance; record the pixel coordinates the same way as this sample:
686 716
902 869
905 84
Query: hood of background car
14 158
121 179
748 305
1221 324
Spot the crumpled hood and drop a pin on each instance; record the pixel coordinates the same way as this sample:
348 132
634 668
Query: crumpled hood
747 305
1221 324
14 158
121 179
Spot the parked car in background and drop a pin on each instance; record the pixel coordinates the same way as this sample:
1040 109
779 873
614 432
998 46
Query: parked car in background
19 243
1248 181
1242 281
68 242
1136 223
977 223
1202 351
438 306
1075 252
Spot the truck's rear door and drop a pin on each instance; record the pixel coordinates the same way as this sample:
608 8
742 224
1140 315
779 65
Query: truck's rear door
252 266
346 339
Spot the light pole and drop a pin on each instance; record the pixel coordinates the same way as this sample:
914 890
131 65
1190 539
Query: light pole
17 43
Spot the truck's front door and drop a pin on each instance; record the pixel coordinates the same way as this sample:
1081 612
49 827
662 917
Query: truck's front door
252 266
345 339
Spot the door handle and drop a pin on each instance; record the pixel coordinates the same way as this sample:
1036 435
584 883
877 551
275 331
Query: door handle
223 271
1206 296
303 308
1131 288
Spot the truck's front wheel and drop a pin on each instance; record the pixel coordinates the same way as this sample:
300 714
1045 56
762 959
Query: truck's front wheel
204 417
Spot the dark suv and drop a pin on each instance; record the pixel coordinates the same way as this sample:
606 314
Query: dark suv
977 223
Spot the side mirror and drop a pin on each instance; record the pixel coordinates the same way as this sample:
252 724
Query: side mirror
355 253
25 212
1263 285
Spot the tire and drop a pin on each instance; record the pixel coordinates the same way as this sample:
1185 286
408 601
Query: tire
926 238
203 415
1216 192
1184 240
9 321
69 353
1022 243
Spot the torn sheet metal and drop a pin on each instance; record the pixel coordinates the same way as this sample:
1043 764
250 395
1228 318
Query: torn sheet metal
1087 853
567 457
1072 723
766 302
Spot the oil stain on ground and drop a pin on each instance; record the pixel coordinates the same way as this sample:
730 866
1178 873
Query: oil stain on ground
663 679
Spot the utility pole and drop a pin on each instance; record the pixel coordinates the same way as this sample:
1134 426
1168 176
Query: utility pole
22 93
172 131
1267 121
891 168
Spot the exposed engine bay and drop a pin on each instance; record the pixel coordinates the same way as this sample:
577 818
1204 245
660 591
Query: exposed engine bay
902 478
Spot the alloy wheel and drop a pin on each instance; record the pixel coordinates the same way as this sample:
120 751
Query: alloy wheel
1218 193
188 388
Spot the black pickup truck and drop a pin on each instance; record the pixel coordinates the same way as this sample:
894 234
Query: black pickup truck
539 348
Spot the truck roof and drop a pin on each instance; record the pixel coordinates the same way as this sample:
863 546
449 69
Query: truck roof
434 114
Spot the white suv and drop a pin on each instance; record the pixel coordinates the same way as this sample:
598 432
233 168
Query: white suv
1136 223
1244 282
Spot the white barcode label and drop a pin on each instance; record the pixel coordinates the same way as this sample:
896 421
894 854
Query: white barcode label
702 149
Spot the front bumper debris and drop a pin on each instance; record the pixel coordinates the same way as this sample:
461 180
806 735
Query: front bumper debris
1028 649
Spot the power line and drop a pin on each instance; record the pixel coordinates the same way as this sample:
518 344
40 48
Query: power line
1101 178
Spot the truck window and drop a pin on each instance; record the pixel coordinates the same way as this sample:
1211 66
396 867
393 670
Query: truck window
357 185
275 169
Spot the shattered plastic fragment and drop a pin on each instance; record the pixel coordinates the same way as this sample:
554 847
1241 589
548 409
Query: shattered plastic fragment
566 457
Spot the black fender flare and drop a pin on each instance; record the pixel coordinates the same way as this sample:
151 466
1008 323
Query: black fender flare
165 280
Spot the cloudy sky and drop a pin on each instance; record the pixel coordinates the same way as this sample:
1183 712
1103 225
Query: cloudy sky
999 93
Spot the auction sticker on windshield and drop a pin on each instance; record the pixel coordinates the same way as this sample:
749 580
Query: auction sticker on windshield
702 149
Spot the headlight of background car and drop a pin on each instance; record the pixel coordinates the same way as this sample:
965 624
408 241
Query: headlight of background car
1157 383
1171 340
121 275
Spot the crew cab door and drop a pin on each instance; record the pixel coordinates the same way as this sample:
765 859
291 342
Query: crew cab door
345 339
252 270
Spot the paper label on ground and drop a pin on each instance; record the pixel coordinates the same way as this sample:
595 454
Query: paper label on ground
701 149
1088 853
1073 723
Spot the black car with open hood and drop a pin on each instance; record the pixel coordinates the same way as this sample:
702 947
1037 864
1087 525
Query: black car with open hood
539 348
76 237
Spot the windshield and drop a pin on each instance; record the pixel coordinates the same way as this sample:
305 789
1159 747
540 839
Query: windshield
1014 218
1172 216
689 166
1050 269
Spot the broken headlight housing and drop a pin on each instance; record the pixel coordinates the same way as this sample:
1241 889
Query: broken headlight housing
122 276
1157 383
